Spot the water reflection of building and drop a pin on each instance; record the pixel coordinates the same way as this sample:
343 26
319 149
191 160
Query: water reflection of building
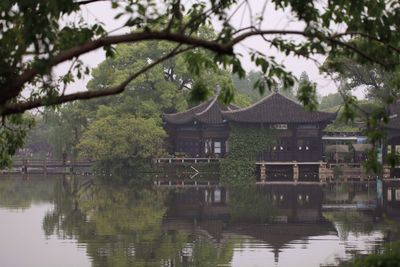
199 203
346 193
295 203
290 203
279 236
210 213
201 212
391 197
202 209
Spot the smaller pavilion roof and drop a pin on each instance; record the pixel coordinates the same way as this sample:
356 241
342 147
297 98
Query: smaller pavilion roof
209 112
277 108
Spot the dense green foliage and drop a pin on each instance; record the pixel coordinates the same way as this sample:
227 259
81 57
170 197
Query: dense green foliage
245 86
245 144
13 130
118 143
36 36
122 133
123 225
390 257
127 222
331 102
369 115
306 87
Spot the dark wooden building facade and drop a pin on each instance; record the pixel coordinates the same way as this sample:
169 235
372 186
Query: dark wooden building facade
297 133
200 131
204 129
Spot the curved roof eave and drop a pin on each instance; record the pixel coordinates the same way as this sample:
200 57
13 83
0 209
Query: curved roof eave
268 110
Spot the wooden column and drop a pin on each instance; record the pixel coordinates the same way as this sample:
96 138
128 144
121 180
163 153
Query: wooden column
71 166
24 166
294 148
295 172
322 172
263 173
45 166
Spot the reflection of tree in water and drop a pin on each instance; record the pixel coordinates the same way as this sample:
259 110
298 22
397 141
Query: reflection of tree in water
65 214
346 222
20 192
122 226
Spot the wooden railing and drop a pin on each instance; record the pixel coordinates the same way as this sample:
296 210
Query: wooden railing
47 165
186 160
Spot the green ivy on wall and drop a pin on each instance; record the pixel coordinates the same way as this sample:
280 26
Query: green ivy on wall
245 144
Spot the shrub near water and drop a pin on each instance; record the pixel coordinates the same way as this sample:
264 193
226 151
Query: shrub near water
390 257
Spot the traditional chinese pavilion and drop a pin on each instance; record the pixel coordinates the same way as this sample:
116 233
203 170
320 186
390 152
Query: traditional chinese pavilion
297 150
297 132
201 131
204 129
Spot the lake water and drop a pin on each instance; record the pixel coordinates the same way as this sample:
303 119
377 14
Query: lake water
81 221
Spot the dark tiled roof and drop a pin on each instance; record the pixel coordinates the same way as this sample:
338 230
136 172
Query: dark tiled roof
277 108
394 116
208 112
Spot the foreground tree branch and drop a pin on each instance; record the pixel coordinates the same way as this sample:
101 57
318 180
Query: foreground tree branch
20 107
35 38
214 45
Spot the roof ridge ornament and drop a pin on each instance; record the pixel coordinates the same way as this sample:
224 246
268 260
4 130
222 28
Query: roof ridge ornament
208 107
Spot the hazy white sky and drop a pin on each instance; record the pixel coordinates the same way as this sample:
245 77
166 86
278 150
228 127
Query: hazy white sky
273 19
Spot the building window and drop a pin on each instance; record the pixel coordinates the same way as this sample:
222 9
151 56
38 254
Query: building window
397 192
207 147
304 145
206 196
279 126
389 194
217 147
300 144
397 149
217 196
